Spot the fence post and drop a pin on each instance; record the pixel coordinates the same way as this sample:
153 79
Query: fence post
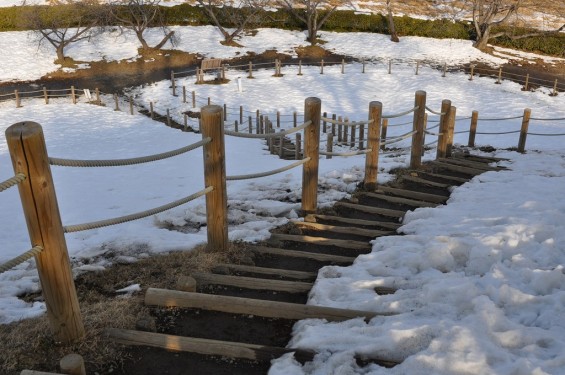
554 93
339 130
498 81
383 133
330 145
294 119
97 92
131 105
299 67
168 117
312 112
417 67
473 128
117 105
524 130
225 112
373 142
444 69
527 82
451 129
250 124
472 72
389 66
37 193
215 176
342 66
173 85
324 124
443 129
250 70
236 126
345 130
278 119
363 63
361 136
73 95
322 67
18 100
151 112
185 122
298 147
418 127
193 99
241 114
184 94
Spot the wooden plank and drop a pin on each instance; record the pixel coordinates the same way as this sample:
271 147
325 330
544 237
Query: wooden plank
345 244
198 345
450 179
384 224
457 168
338 259
252 283
371 233
414 194
228 268
372 210
250 306
423 181
387 198
485 159
470 164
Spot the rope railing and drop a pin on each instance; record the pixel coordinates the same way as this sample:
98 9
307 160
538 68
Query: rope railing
268 173
498 133
402 123
399 138
547 134
136 216
124 162
346 154
432 133
12 181
346 123
268 135
434 112
547 119
500 118
20 259
401 113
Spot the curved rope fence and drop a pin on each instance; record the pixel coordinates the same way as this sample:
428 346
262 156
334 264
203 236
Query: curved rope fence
401 113
346 123
20 259
268 173
435 112
12 181
268 135
346 154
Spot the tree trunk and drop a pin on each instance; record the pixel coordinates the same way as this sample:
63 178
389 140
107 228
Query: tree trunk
142 40
60 53
164 40
482 39
392 27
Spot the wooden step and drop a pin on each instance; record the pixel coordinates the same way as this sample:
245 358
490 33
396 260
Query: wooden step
477 158
423 181
457 168
409 202
313 218
335 259
427 197
369 233
251 306
372 210
277 238
452 180
251 283
274 272
469 164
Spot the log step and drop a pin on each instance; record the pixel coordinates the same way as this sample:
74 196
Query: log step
325 258
452 180
369 233
423 181
477 158
314 218
427 197
457 168
372 210
277 238
409 202
203 279
250 306
470 164
274 273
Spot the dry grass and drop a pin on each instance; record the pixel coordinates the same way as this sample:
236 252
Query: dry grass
28 344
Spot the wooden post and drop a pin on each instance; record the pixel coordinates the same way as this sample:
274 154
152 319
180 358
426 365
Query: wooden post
330 145
278 119
73 95
322 67
250 75
424 133
499 80
236 126
373 142
295 118
443 129
223 72
97 92
417 67
194 99
18 100
173 86
554 93
334 117
353 131
524 130
72 364
209 101
299 67
527 82
342 66
184 94
131 105
472 72
241 114
473 128
185 122
47 97
444 69
324 125
29 156
339 130
281 146
250 124
363 63
345 130
298 149
261 125
116 103
312 112
168 118
418 127
225 112
451 129
383 133
389 66
215 176
151 112
362 137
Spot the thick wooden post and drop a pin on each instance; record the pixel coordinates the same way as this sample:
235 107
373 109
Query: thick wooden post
443 129
312 112
73 95
29 156
524 130
215 176
418 127
383 133
330 145
373 142
473 128
450 130
173 85
72 364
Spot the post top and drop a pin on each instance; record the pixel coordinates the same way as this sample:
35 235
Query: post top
313 100
23 129
213 108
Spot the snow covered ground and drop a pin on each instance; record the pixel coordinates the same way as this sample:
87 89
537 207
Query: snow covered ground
481 281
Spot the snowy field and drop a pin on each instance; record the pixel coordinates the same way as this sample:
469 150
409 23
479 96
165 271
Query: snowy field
481 280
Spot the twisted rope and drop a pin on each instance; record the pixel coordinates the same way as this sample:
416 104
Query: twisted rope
434 112
269 135
20 259
510 132
401 113
432 133
132 161
346 154
402 123
500 118
547 135
352 123
547 119
399 138
139 215
269 173
12 181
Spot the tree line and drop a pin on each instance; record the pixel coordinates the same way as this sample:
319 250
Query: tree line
69 21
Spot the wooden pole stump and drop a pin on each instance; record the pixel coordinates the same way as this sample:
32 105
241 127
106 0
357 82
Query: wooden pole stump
418 128
443 129
373 142
524 130
473 128
450 131
312 112
72 364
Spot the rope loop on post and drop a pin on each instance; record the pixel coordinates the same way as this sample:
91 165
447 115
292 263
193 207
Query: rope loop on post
12 181
268 173
399 138
123 162
20 259
136 216
434 112
268 135
401 113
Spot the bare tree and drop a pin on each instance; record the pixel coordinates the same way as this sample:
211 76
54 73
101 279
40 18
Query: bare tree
391 25
68 22
240 16
308 12
138 16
